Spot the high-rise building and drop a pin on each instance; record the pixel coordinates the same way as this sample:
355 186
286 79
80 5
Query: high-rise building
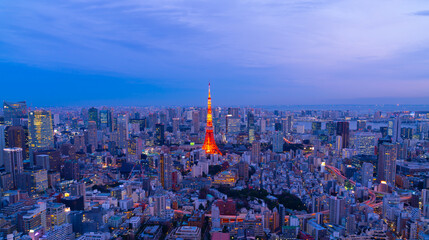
41 134
123 131
330 128
196 121
337 210
106 119
232 124
33 180
42 161
209 142
407 133
2 143
343 131
13 111
256 152
425 203
243 170
165 169
159 134
92 134
176 122
93 115
277 142
396 131
361 125
316 127
364 143
251 126
13 163
386 169
367 174
17 136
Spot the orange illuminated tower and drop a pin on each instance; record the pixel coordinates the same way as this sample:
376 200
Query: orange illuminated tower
209 142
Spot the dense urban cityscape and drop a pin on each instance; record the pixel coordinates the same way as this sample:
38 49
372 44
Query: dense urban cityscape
212 172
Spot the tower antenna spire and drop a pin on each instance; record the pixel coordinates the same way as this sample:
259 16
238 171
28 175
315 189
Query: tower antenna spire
209 142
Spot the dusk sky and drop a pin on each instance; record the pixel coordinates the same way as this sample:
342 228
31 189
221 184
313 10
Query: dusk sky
263 52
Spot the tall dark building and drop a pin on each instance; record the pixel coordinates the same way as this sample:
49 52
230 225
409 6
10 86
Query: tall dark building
159 134
93 115
277 126
17 137
14 110
343 131
106 120
387 156
71 170
330 128
251 126
13 163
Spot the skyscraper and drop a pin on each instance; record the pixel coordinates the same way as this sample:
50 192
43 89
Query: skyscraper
343 131
256 152
251 126
13 163
337 210
277 142
92 134
159 134
364 143
196 121
17 136
14 110
123 131
396 131
2 143
106 119
386 169
209 142
165 169
367 173
93 115
41 134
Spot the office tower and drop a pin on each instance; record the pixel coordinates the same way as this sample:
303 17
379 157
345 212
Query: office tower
386 169
78 189
2 143
277 142
55 160
263 125
364 143
93 115
92 134
243 170
209 142
337 210
256 152
159 134
396 129
425 203
17 136
14 111
343 131
361 125
232 124
367 174
106 119
278 127
176 122
282 214
384 131
71 170
57 213
123 131
407 133
165 169
251 126
41 134
13 163
215 217
195 121
330 128
159 204
234 112
316 127
135 149
33 180
42 161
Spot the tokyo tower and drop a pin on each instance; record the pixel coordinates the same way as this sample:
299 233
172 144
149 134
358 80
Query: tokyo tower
209 142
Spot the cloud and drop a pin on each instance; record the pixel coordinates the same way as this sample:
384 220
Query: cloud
422 13
254 44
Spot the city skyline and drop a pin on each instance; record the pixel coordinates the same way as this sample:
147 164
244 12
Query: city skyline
254 53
